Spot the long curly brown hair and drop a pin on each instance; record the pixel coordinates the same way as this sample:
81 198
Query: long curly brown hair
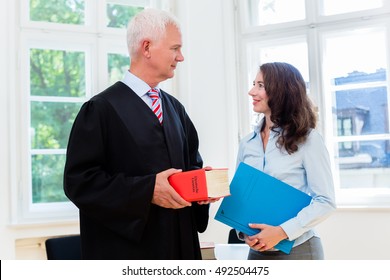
291 109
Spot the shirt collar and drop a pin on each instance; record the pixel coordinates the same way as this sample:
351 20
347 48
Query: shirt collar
256 128
136 84
258 125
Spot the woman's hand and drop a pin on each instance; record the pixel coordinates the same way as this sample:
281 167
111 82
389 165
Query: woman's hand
267 238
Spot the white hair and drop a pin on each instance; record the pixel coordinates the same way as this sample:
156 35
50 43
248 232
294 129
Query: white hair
148 24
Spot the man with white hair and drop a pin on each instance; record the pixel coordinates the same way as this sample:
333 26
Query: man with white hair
125 143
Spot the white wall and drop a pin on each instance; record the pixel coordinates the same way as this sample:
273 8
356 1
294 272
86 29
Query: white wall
206 84
3 137
357 234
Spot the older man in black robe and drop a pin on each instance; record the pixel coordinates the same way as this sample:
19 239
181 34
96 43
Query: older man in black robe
120 155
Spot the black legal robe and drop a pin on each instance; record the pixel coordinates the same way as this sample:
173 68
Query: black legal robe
115 148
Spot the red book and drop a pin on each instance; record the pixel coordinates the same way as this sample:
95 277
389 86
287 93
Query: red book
201 184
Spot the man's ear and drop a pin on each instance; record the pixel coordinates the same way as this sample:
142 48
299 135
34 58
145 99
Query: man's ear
146 48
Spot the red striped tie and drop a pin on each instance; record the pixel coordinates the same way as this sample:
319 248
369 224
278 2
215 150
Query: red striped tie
156 105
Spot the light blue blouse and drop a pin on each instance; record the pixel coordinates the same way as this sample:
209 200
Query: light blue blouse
308 170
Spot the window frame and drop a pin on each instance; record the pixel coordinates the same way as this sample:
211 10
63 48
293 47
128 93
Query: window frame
364 197
30 211
313 28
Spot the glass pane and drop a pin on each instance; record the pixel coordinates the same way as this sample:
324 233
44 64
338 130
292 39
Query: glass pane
264 12
294 53
57 73
51 123
58 11
364 108
356 69
47 178
364 164
119 15
332 7
117 65
363 51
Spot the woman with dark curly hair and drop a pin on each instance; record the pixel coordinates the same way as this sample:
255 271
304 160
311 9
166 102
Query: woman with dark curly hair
286 145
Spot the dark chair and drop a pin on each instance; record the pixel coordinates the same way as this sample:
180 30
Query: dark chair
63 248
233 238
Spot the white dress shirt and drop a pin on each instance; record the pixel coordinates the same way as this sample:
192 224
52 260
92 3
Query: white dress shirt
139 87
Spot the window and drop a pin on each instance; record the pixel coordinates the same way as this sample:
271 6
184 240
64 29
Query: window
275 11
57 88
333 7
69 50
359 90
341 48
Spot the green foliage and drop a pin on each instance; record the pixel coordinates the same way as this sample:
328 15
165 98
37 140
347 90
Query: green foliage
47 173
57 11
51 123
57 73
117 65
53 73
118 15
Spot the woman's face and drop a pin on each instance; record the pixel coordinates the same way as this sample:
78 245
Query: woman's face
259 96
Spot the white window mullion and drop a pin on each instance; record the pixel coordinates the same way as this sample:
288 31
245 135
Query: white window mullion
58 99
48 151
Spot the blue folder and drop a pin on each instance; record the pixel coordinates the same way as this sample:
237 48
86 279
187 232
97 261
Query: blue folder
257 197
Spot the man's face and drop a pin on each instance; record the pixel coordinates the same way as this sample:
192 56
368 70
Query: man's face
166 53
